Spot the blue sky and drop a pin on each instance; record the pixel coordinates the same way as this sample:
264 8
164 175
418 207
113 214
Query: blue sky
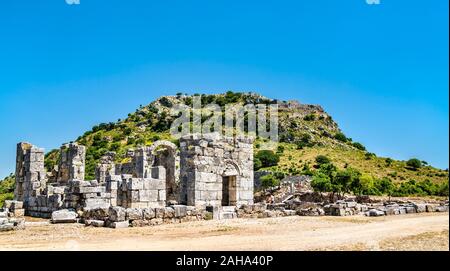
380 70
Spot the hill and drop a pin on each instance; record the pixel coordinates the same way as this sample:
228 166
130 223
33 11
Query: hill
305 132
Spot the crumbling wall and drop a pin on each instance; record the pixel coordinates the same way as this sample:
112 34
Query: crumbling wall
71 163
30 172
130 192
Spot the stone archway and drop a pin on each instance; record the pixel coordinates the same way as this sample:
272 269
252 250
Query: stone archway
165 153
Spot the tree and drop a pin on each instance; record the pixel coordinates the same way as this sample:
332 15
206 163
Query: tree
268 158
257 163
443 189
345 181
386 187
321 182
414 163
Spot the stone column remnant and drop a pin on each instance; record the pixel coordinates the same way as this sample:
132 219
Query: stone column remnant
72 162
30 172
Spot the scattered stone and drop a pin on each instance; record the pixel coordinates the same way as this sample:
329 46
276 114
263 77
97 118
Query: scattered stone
95 223
375 212
64 216
119 225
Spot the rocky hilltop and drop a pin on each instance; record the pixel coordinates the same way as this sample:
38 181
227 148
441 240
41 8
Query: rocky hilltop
305 132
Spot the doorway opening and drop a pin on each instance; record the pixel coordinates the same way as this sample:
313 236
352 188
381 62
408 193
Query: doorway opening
229 191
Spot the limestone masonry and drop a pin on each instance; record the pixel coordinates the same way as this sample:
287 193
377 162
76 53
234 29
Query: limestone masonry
208 171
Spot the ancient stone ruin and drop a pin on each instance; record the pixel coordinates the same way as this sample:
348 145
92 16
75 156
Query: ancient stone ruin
206 177
208 171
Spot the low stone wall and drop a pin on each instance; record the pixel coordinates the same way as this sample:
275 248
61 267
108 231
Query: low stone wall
11 216
261 210
405 208
344 208
119 217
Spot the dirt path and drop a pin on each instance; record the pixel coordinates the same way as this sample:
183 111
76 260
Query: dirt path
407 232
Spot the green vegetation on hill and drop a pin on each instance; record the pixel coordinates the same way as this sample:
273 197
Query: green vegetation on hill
327 178
6 189
305 132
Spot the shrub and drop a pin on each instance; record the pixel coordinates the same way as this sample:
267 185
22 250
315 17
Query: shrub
280 149
269 181
414 163
389 161
359 146
322 159
164 101
268 158
257 163
309 117
341 137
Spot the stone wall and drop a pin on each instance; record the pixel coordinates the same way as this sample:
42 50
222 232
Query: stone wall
119 217
71 163
30 172
130 192
210 161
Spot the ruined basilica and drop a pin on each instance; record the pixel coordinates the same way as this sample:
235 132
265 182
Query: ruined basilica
205 171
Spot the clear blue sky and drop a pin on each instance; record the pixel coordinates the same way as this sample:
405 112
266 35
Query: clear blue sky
380 70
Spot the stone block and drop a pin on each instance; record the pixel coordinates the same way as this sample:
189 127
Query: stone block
64 216
119 225
78 183
154 184
420 208
13 204
159 212
410 209
148 195
6 227
148 213
161 195
180 210
117 214
134 214
112 185
442 208
169 213
139 223
95 223
375 212
156 221
430 208
135 184
89 189
59 190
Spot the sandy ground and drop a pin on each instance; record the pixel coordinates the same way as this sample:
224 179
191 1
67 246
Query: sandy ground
406 232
